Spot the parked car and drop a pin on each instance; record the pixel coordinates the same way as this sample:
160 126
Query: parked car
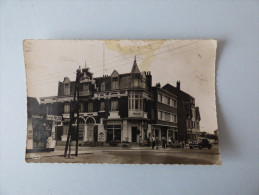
204 143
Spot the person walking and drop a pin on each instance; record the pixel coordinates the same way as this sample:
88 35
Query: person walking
148 141
170 141
157 143
153 142
163 142
182 145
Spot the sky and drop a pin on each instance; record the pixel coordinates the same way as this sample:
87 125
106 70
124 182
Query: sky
191 61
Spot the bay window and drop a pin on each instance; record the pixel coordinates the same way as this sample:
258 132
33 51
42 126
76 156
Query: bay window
135 100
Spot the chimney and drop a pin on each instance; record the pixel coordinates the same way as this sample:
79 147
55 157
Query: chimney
158 85
178 84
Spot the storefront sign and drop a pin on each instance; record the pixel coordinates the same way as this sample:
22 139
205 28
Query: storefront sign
54 118
37 116
135 113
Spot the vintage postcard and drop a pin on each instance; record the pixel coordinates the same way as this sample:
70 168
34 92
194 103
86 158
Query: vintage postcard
121 101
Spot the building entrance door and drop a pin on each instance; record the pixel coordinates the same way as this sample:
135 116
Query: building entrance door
134 134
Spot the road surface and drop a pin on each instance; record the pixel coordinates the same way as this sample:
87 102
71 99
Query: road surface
139 155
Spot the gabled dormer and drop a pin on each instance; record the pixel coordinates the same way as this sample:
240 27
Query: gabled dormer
115 80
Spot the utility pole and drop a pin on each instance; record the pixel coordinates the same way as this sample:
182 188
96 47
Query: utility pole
76 99
78 75
103 58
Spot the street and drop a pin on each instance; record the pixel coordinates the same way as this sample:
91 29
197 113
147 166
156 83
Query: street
134 155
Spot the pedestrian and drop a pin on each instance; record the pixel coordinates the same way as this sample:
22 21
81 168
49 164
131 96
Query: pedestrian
148 141
169 141
153 142
182 145
157 143
163 142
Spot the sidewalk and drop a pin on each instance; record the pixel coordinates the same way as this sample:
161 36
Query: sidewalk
59 151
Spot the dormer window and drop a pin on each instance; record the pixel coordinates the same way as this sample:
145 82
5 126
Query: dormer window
67 89
85 87
115 83
115 80
103 86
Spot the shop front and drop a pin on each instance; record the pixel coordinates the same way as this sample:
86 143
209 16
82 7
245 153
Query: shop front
41 134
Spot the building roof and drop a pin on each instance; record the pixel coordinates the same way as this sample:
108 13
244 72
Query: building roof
135 69
177 91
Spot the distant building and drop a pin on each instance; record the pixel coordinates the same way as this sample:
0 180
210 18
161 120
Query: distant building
164 113
188 114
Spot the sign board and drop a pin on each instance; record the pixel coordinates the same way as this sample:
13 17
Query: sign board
135 113
54 118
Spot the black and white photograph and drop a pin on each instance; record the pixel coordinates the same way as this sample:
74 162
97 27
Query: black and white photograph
121 102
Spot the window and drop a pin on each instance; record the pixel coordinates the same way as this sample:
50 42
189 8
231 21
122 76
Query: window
66 108
159 115
113 133
103 86
49 108
67 89
135 82
114 105
85 87
193 112
65 128
163 116
159 97
168 101
165 100
173 118
167 117
115 83
135 100
173 103
102 106
81 107
90 107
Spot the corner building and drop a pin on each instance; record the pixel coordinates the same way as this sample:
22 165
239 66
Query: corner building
113 109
